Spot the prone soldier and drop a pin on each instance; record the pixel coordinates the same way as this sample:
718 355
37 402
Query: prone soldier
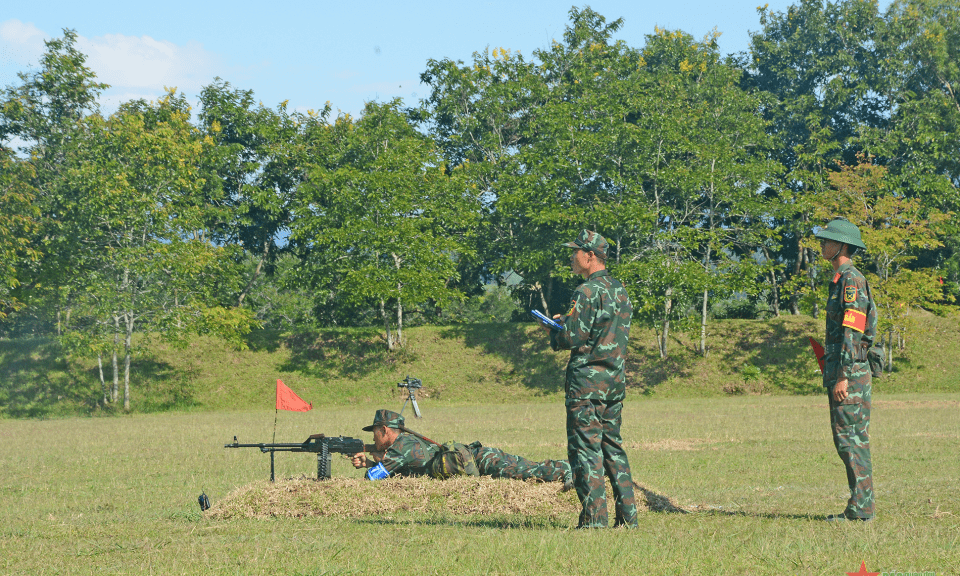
402 452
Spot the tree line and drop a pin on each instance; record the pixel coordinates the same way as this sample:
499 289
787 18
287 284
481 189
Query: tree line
707 172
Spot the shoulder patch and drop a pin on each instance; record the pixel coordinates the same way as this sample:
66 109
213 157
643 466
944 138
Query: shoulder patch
849 294
573 306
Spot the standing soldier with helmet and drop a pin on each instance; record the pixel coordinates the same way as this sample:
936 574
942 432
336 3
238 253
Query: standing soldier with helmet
851 328
596 330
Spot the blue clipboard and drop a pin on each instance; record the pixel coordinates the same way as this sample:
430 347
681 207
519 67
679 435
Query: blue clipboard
548 322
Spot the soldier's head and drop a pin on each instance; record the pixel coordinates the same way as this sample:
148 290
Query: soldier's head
839 238
589 253
386 428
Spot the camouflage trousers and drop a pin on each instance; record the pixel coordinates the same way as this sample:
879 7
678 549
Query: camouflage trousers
497 463
594 446
850 423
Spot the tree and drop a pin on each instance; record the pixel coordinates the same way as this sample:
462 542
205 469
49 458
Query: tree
477 116
918 48
381 222
254 169
895 230
45 112
715 214
137 211
817 60
18 222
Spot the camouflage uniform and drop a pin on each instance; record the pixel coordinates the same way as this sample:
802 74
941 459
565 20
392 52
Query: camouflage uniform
596 330
851 329
497 463
408 456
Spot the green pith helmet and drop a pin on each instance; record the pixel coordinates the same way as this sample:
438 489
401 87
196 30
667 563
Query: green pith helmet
384 417
842 230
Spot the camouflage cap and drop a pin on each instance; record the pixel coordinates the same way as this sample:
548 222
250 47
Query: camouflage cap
841 230
387 418
591 242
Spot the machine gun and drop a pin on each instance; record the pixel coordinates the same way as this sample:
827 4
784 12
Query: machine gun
317 443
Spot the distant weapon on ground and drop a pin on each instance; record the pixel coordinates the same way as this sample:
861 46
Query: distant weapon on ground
322 445
412 385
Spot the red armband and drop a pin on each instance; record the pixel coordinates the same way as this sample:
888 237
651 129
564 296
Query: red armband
855 319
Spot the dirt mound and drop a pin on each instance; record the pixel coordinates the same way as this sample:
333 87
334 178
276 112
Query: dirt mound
354 497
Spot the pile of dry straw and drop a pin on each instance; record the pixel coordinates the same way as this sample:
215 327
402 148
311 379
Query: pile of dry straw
465 495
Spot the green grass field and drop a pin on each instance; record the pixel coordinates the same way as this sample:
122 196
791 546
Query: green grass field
751 478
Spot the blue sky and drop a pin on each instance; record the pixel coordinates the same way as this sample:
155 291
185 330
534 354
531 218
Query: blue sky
309 53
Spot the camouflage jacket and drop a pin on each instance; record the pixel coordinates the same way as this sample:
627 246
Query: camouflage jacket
851 325
596 330
408 456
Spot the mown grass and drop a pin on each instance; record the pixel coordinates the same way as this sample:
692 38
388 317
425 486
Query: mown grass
755 476
459 365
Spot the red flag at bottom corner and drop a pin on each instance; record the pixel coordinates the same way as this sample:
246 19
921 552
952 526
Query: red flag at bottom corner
818 352
287 399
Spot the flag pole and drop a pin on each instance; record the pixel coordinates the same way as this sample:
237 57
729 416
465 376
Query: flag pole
275 413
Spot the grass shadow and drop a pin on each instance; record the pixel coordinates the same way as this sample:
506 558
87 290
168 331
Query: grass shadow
771 352
525 357
159 385
264 340
646 370
29 392
659 502
37 380
353 353
764 515
516 522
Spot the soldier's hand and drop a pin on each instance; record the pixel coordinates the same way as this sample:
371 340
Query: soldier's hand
840 391
556 317
359 460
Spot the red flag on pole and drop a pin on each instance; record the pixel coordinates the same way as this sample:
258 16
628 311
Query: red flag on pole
287 399
818 352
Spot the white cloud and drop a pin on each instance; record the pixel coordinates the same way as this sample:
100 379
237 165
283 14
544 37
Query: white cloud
21 44
127 63
138 63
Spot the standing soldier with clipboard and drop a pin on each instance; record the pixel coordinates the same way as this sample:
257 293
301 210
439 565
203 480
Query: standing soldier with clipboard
596 330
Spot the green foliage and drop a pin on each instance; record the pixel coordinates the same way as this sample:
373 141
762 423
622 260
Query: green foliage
18 222
495 304
382 223
895 229
258 159
706 173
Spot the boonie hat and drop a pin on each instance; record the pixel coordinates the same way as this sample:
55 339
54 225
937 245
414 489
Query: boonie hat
842 230
387 418
591 242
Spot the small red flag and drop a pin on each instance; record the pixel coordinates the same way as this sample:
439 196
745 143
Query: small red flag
818 352
287 399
